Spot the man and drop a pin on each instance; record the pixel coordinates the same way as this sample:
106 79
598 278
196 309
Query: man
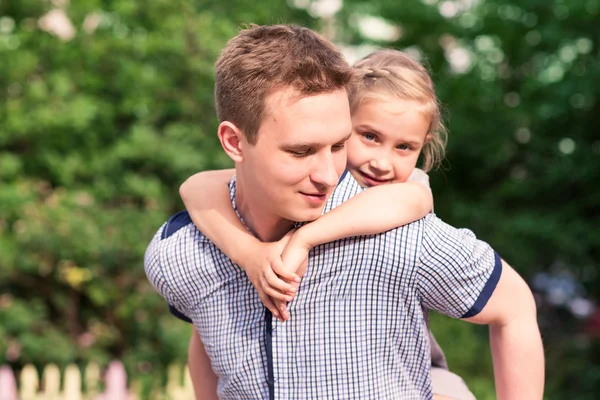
357 326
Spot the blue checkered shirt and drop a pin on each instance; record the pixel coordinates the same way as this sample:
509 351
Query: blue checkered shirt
357 326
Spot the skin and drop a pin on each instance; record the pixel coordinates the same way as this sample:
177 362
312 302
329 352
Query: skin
387 138
204 380
296 162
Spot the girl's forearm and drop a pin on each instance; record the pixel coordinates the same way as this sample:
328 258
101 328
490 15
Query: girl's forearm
372 211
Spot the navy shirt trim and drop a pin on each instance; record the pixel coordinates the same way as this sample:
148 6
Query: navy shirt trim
179 314
269 348
175 223
488 289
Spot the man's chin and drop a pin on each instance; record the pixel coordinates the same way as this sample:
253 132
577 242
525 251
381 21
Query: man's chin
307 215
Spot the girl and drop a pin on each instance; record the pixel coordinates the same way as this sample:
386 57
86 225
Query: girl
395 119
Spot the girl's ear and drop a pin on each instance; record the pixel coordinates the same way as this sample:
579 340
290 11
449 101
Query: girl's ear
427 139
232 140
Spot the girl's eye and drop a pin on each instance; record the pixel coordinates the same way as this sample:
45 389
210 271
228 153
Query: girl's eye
369 136
403 147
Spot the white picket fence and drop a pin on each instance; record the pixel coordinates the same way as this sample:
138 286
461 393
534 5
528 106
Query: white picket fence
90 386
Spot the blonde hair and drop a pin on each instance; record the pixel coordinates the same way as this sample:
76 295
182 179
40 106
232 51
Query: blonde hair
261 58
395 73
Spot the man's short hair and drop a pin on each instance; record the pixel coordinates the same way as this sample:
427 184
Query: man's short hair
262 58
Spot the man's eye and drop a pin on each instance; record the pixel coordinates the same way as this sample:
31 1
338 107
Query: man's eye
339 147
300 153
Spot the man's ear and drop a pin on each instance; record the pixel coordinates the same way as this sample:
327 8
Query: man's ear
233 141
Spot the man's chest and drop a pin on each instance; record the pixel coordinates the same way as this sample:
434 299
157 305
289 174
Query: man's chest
355 304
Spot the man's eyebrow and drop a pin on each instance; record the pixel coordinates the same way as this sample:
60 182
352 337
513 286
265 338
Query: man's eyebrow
299 145
346 138
306 145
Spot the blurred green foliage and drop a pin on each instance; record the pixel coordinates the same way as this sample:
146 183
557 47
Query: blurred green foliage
97 132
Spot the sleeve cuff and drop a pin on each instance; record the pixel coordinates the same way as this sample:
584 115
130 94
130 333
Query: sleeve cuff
488 289
179 314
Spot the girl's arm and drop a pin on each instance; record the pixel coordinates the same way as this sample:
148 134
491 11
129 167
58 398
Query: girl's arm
206 197
375 210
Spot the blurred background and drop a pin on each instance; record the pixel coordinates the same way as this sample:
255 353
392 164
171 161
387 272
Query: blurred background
106 107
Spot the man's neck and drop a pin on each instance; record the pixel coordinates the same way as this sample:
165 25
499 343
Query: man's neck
265 225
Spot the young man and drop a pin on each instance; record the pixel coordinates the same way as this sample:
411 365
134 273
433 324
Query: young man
357 326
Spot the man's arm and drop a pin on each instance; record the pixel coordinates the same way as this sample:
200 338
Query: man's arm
463 277
515 338
203 377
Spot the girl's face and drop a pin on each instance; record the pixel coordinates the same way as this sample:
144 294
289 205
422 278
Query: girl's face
387 137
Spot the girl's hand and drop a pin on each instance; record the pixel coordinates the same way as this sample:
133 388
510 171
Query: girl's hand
295 257
275 284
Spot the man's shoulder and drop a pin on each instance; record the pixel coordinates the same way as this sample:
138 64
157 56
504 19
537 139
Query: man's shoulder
432 227
175 223
179 252
412 231
179 236
435 226
411 235
181 226
180 263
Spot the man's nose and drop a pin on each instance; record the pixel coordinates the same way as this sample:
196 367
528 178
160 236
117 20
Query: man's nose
324 172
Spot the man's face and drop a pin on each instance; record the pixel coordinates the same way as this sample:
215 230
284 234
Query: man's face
387 138
300 153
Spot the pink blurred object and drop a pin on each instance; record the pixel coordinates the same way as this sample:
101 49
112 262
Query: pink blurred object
8 384
116 383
